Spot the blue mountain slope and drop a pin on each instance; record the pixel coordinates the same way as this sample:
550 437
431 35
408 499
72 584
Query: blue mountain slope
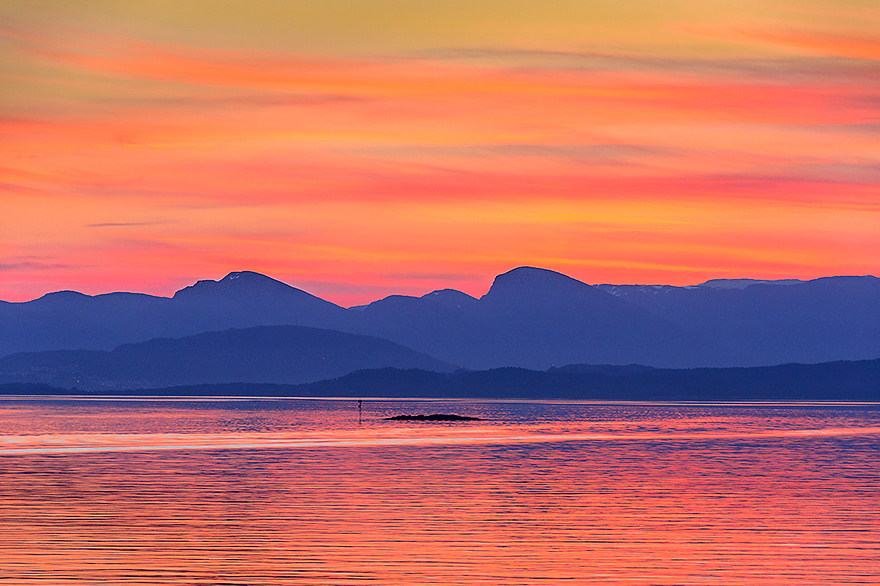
768 323
537 318
69 320
265 354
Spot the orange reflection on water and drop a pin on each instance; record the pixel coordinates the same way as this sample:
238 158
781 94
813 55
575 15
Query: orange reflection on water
539 493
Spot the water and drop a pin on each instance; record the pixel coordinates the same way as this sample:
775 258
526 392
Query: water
271 492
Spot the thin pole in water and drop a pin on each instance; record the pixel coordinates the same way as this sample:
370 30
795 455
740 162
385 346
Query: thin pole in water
360 411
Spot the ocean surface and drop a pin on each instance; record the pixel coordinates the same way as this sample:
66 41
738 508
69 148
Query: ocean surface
248 492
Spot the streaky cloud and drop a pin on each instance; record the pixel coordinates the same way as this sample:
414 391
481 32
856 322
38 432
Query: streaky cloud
36 266
790 68
123 224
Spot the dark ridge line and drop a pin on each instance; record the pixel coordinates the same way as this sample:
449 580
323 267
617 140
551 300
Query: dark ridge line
829 381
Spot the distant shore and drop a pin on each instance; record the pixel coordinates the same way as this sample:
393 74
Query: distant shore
830 381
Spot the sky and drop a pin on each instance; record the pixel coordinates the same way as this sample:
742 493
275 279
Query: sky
358 148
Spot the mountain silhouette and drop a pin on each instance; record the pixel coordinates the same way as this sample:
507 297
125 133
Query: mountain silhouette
69 320
535 318
264 354
530 317
244 299
769 323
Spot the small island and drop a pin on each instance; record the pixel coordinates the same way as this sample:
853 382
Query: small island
433 417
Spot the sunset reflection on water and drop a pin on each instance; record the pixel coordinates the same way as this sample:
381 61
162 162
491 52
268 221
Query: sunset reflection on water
294 491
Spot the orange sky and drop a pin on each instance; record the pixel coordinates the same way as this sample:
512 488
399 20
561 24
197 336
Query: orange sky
360 149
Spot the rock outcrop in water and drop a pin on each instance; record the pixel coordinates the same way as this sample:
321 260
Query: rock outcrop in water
433 417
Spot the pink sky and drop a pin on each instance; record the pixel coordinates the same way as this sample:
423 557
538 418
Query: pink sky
358 154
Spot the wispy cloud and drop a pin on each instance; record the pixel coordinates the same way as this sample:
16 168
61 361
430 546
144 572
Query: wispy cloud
239 100
123 224
791 68
819 42
608 153
36 266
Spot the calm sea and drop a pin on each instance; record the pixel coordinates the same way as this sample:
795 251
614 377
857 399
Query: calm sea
239 492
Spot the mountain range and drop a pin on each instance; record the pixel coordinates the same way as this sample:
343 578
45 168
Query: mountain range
530 318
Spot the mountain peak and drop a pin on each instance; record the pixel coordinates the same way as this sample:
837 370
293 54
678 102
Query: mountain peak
61 298
251 278
247 276
235 283
533 280
65 294
450 297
